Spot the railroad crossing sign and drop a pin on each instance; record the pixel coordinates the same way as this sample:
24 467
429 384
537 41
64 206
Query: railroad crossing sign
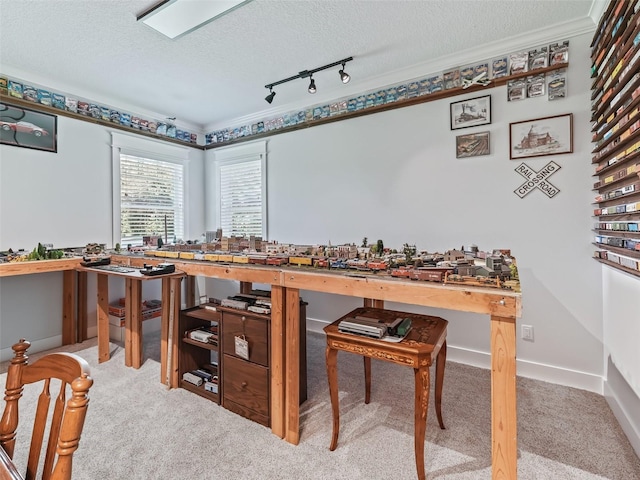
537 180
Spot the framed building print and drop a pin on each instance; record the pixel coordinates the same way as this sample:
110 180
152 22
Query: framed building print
23 127
471 112
541 137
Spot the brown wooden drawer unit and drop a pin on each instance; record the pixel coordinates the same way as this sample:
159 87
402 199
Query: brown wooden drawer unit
246 389
254 327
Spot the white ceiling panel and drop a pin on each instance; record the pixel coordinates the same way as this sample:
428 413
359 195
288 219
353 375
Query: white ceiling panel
217 73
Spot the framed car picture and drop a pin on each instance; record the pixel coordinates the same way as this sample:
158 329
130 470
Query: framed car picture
23 127
541 137
471 112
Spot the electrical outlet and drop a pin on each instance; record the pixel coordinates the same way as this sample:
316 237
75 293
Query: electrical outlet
527 332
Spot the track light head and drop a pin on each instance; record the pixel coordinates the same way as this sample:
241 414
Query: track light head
312 86
272 94
344 76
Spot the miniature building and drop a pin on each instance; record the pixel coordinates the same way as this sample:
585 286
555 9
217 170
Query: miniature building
494 262
469 270
453 256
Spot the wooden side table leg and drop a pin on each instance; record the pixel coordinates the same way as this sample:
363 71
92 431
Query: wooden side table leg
420 421
441 360
367 380
332 376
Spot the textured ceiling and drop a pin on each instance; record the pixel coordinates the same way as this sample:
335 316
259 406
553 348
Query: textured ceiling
218 72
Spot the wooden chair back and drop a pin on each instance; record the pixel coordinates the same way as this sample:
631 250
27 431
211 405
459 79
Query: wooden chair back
67 418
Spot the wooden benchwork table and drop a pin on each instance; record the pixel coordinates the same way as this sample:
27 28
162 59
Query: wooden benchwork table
503 307
73 328
133 318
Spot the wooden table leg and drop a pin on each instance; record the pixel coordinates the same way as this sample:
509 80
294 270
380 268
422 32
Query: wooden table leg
504 442
278 360
367 380
441 361
332 376
370 302
420 415
69 318
103 318
190 292
292 362
170 335
133 323
246 287
81 310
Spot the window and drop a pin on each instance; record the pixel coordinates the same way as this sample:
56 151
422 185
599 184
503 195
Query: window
151 199
149 190
241 180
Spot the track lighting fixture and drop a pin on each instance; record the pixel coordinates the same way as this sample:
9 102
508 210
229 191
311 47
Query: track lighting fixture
344 77
269 98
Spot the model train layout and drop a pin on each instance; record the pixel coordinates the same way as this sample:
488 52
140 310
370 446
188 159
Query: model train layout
466 266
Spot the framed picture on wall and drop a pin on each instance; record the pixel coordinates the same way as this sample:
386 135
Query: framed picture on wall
471 112
541 137
23 127
472 145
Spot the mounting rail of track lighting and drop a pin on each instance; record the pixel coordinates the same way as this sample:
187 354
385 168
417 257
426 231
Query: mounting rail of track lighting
344 77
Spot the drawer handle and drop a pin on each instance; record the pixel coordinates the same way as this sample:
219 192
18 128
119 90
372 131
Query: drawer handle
244 319
244 385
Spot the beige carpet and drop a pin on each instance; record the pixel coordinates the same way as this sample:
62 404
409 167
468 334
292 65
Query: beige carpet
137 429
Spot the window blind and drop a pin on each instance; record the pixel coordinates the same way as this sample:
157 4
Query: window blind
151 199
241 201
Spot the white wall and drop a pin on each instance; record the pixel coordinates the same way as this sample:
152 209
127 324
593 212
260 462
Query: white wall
394 176
64 199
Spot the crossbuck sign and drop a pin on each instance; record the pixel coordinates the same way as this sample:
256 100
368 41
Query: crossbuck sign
537 180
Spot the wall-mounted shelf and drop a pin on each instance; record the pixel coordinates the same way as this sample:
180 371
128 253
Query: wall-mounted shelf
615 94
390 106
19 102
313 123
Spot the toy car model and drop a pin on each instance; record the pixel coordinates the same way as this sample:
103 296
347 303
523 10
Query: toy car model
24 127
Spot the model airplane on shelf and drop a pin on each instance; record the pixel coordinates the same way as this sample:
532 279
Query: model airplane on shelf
477 80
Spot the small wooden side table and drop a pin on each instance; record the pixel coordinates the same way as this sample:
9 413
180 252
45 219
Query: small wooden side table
425 343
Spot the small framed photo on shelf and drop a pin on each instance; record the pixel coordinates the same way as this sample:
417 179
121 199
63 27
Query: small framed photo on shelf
472 145
541 136
471 112
23 127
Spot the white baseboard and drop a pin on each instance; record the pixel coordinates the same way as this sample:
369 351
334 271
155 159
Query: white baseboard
622 405
36 346
524 368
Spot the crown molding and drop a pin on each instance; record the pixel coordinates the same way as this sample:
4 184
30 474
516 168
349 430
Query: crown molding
70 90
544 36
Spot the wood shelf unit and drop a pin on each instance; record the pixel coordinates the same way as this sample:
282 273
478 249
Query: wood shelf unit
615 95
194 354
